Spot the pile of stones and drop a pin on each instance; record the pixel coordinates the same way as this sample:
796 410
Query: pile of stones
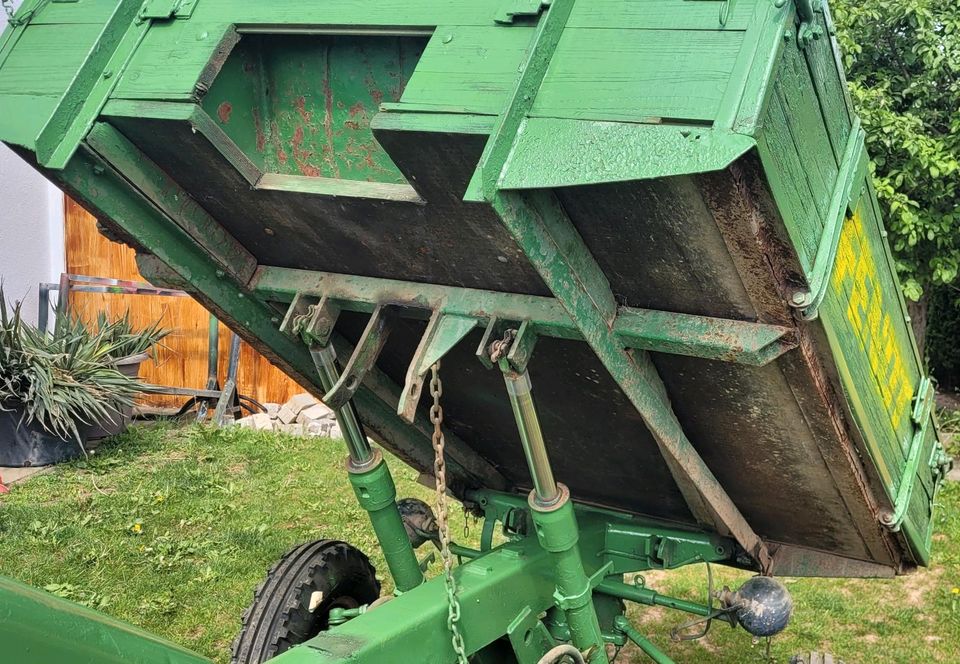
302 415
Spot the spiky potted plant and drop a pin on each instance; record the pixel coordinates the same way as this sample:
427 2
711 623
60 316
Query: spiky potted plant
132 347
54 387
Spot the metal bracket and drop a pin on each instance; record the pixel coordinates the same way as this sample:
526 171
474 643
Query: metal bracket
167 9
311 320
444 331
511 9
363 359
809 30
921 417
853 169
566 602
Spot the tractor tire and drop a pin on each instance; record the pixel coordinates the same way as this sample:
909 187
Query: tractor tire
281 617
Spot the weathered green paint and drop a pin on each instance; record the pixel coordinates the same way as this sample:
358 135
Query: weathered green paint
532 72
547 237
166 194
39 628
699 336
503 584
92 85
638 99
555 152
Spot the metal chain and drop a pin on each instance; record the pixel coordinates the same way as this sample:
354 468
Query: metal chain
443 526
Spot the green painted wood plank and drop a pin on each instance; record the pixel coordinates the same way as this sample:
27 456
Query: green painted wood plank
471 69
798 98
383 13
443 123
171 60
663 14
831 92
31 112
638 75
79 11
552 152
788 183
28 70
747 100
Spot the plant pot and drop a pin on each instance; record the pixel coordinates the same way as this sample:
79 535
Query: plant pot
23 445
118 419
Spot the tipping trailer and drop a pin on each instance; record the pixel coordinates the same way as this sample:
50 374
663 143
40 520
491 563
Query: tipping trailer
637 241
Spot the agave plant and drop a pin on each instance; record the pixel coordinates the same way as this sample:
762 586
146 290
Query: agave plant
62 381
128 340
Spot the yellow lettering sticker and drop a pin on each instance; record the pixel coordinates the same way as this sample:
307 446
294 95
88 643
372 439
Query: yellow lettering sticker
855 278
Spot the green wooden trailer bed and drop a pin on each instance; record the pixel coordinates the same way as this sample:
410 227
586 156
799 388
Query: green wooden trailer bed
657 212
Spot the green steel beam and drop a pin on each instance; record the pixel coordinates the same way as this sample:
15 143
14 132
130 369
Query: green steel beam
164 192
547 237
39 628
499 587
683 334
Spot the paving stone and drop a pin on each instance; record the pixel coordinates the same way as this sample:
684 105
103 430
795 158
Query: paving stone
272 409
317 411
298 402
286 415
261 422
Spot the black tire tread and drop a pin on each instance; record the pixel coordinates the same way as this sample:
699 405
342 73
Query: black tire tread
277 620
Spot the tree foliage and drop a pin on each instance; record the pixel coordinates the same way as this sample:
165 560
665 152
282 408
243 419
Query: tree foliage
902 59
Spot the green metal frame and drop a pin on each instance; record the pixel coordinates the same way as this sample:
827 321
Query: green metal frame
504 590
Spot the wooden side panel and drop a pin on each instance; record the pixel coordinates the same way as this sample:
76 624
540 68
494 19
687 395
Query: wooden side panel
183 362
804 131
638 75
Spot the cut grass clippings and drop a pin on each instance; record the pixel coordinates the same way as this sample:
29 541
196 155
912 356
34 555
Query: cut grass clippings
172 529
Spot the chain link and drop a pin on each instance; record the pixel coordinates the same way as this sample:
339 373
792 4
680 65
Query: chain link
443 525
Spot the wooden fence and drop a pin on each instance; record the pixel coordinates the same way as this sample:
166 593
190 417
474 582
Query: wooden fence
183 360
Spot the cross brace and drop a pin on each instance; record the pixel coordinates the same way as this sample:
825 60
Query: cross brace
659 331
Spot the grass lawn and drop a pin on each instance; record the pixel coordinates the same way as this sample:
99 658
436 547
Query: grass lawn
171 529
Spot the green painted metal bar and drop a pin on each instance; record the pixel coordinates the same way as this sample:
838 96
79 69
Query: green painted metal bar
91 179
699 336
921 417
166 194
642 642
377 494
39 628
543 232
556 523
853 169
540 53
493 590
362 360
650 597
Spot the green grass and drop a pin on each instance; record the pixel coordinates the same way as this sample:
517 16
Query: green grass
172 529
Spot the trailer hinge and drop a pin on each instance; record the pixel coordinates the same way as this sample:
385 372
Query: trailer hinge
808 30
511 9
921 417
161 10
